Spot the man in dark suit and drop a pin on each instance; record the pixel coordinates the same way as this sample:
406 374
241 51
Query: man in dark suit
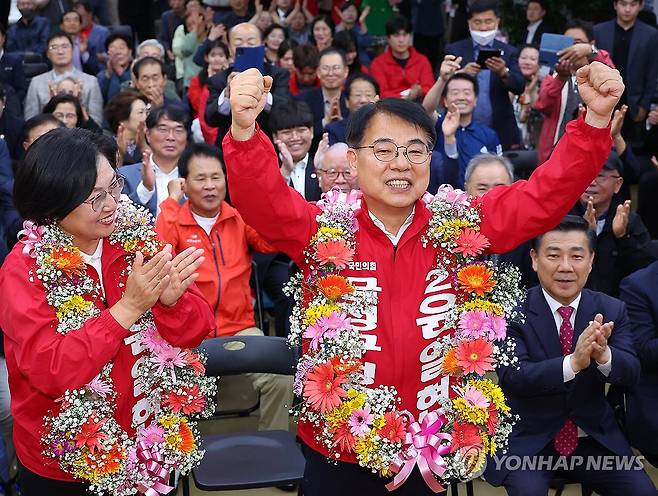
633 46
499 75
327 103
360 90
12 75
572 342
218 109
640 293
535 13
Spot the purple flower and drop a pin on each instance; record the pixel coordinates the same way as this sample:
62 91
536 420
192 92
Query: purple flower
62 446
300 374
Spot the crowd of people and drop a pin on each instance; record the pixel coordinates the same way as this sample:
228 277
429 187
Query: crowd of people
374 98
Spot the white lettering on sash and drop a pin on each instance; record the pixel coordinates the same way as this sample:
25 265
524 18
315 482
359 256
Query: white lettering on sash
141 411
367 322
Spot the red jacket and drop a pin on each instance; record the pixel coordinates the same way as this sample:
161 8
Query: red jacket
43 364
198 94
410 313
549 102
225 272
393 78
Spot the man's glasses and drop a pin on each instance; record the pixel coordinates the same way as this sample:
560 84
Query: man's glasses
332 174
387 151
114 190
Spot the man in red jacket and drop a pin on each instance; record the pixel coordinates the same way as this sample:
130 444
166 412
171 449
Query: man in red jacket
401 71
389 257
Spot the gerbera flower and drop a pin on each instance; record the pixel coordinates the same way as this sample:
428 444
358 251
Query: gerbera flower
322 388
492 421
471 243
189 401
99 387
335 322
342 367
90 435
464 436
473 397
343 438
450 365
497 328
168 358
69 261
474 324
109 463
474 356
314 333
335 252
335 287
152 340
62 446
192 359
360 421
153 434
394 428
476 278
187 443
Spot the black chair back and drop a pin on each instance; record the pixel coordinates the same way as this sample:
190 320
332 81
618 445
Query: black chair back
524 162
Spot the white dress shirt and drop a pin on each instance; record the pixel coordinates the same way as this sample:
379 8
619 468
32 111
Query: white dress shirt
298 176
95 261
395 238
532 29
161 181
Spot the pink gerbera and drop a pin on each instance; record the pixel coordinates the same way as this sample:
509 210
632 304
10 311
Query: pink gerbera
497 328
334 252
474 397
474 324
322 388
99 387
314 333
471 243
153 434
168 358
360 421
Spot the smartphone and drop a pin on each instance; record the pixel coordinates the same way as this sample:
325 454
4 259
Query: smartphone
487 53
550 45
249 58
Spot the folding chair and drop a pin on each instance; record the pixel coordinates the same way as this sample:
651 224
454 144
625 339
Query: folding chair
524 162
248 460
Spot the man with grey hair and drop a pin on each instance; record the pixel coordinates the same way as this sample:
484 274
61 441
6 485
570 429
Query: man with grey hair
486 171
153 48
333 169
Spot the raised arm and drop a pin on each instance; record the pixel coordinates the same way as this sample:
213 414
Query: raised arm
258 191
513 214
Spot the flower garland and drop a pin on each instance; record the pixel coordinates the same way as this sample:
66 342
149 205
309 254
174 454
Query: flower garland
351 419
84 436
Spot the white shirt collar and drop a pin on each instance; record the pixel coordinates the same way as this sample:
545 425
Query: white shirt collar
555 305
94 257
395 238
302 163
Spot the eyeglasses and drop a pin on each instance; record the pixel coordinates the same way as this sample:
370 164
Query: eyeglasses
602 178
114 190
332 174
387 151
326 69
178 131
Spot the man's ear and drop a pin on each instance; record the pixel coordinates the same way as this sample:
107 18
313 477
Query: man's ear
533 257
351 158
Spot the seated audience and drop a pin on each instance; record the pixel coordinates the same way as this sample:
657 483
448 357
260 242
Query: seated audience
345 41
360 89
118 48
150 80
12 75
497 78
60 55
401 71
305 59
37 126
272 38
30 33
125 115
321 32
572 343
68 110
284 56
334 170
224 275
527 118
187 38
237 14
152 48
169 21
95 34
166 135
535 13
298 22
11 127
84 56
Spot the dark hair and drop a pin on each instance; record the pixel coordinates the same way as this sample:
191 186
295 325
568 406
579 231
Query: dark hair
585 26
147 61
39 120
479 6
61 18
542 3
410 112
51 106
84 3
305 56
360 76
198 150
321 18
287 44
271 28
119 36
119 107
59 34
173 112
333 51
288 114
569 223
464 77
349 4
59 172
397 24
209 47
345 41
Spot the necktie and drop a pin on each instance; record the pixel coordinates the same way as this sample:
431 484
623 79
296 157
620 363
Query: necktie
566 439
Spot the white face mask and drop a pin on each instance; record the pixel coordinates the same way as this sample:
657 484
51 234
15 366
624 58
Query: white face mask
483 38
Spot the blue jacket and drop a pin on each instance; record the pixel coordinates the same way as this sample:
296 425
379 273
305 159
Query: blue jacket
168 24
337 131
11 73
132 175
315 101
504 122
97 37
642 65
640 293
28 38
536 390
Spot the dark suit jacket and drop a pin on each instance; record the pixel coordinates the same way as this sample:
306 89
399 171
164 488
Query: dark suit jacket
312 191
640 293
642 65
11 128
543 27
315 101
337 131
216 85
536 391
504 122
11 73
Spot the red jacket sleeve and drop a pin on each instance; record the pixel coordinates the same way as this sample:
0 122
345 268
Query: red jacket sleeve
50 361
194 95
550 93
276 211
378 71
514 214
257 243
166 224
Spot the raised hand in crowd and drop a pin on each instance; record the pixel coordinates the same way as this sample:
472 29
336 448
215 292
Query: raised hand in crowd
248 97
600 88
577 55
563 70
123 140
652 117
182 274
155 94
592 343
615 129
140 136
472 69
217 32
113 65
414 92
654 161
333 113
175 188
287 162
498 66
449 66
363 18
323 146
590 214
602 332
620 221
450 124
148 174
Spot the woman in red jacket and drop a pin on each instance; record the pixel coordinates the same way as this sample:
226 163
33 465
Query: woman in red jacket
95 330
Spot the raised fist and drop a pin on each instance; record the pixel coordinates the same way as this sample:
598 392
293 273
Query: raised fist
600 88
248 92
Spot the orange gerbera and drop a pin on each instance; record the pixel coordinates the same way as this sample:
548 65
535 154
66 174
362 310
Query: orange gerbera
109 463
69 261
450 365
334 252
475 356
476 278
394 427
334 287
322 388
464 435
187 443
343 367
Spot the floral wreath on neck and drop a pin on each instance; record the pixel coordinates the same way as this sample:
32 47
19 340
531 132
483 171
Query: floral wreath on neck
84 437
351 419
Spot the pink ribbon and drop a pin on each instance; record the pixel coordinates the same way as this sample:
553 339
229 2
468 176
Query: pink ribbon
423 445
30 236
153 471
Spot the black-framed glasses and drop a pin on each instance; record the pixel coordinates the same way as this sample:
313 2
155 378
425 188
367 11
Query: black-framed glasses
333 174
386 151
114 191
